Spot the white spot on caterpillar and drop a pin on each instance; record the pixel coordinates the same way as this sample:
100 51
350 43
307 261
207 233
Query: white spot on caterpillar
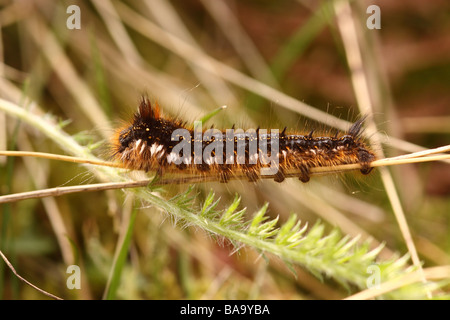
125 155
284 152
209 161
254 158
172 157
161 154
155 148
142 148
138 143
187 160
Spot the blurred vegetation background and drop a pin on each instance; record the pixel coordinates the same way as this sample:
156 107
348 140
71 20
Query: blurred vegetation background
194 56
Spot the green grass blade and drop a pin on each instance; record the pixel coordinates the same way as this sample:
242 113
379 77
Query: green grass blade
119 261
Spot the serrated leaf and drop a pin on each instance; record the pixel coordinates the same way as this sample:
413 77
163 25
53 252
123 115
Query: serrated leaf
209 205
233 206
233 219
262 230
259 217
290 233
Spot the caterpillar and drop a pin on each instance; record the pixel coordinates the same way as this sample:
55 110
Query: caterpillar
152 142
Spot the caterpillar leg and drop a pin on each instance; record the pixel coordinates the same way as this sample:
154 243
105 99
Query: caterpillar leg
365 168
304 173
279 176
365 158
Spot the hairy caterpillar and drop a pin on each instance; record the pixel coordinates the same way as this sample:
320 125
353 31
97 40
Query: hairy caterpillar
152 142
